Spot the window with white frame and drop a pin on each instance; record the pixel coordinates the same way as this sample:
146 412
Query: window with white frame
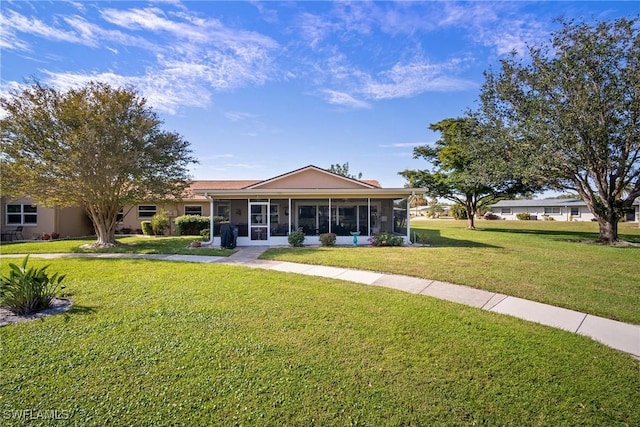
146 211
505 211
21 214
552 210
193 210
575 211
120 216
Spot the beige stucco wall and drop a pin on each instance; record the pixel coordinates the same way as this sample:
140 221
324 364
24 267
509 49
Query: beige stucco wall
67 222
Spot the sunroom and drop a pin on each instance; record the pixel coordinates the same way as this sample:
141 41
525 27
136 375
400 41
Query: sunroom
311 200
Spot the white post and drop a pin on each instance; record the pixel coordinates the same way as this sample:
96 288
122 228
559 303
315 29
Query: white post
369 216
210 242
289 216
409 217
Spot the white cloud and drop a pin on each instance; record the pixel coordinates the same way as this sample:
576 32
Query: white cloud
244 165
236 116
163 91
403 145
344 99
12 20
405 80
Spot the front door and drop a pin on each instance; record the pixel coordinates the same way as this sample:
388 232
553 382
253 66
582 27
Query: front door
259 220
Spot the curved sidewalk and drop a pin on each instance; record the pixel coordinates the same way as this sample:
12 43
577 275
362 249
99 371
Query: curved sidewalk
618 335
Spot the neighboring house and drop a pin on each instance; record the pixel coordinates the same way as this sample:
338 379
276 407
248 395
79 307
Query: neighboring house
556 209
309 199
37 221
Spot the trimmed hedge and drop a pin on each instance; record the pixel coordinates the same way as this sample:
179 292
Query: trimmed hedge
191 225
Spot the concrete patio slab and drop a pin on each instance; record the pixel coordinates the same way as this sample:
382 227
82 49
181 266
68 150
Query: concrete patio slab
545 314
413 285
621 336
457 293
357 276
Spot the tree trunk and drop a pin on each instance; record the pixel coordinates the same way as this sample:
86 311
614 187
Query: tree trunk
608 228
106 236
104 224
471 216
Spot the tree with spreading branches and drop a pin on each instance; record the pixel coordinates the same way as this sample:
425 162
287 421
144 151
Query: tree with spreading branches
470 167
96 147
571 107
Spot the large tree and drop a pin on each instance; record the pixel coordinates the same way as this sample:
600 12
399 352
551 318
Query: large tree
470 167
572 106
96 147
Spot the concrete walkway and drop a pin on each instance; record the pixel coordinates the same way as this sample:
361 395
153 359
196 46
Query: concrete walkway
618 335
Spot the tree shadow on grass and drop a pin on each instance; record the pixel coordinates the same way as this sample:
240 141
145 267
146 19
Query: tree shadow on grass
565 235
78 310
433 238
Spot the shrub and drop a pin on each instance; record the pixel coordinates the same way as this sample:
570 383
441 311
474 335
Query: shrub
296 238
26 291
523 216
458 211
159 223
206 235
147 230
191 225
328 239
385 238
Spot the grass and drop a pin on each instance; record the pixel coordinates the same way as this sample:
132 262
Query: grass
132 245
151 342
542 261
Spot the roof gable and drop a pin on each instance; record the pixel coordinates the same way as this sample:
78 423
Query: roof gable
312 177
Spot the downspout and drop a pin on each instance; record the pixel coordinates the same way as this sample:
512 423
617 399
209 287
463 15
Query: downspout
210 242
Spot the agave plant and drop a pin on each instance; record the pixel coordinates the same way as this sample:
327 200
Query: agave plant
25 291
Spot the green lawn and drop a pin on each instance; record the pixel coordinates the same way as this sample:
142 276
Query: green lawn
129 244
542 261
167 343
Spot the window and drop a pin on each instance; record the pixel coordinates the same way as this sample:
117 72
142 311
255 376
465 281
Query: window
146 211
552 210
505 211
22 215
193 210
575 211
120 216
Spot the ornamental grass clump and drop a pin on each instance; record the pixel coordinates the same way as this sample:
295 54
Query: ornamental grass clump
25 291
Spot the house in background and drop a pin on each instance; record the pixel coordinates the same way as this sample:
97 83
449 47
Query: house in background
35 221
556 209
309 199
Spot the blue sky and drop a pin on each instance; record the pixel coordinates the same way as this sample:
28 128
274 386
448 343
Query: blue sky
262 88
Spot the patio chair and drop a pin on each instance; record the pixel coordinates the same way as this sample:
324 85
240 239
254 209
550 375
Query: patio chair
13 234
